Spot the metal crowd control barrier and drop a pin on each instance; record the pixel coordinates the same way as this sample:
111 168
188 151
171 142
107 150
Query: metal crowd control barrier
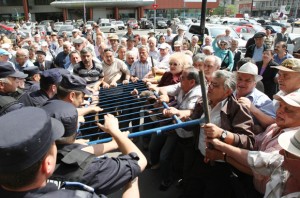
127 108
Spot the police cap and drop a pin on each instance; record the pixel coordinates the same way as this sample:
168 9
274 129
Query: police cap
31 70
64 112
7 70
24 143
51 76
73 82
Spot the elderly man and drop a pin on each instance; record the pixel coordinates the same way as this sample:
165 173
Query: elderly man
180 36
130 46
211 64
114 42
141 67
282 36
287 121
62 59
153 52
259 104
187 92
169 36
129 32
114 70
41 61
22 59
255 51
75 34
194 47
74 59
232 123
288 77
9 80
89 70
281 52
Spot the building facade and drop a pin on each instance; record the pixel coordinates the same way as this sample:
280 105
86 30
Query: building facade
37 10
266 7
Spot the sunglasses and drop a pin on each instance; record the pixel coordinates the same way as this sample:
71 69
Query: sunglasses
223 44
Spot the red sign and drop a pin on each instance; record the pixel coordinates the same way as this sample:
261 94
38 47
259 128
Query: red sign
155 6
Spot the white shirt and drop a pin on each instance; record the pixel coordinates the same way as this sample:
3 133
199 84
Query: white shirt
215 117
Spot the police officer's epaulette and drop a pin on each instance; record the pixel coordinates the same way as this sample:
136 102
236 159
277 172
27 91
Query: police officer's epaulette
71 165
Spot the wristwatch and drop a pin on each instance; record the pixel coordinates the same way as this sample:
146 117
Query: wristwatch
223 135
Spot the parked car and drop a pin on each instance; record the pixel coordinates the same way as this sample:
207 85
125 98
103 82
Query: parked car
45 22
108 27
146 25
274 28
161 25
296 23
68 22
133 23
66 28
214 30
5 27
120 24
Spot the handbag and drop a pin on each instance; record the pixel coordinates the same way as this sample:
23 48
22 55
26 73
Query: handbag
224 65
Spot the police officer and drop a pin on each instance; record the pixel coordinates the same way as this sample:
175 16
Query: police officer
49 82
32 82
28 158
78 162
9 79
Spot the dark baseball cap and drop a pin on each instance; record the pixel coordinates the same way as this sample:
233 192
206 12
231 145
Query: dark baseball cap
22 144
30 71
51 76
259 35
74 82
7 70
64 112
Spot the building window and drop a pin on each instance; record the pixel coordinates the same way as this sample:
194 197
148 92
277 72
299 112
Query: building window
43 2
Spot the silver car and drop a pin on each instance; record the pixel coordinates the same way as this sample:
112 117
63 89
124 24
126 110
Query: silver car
108 27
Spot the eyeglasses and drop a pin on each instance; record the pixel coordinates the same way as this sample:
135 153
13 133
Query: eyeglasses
175 64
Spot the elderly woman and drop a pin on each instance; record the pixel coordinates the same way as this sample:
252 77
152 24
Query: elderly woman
207 50
268 73
198 61
222 52
176 62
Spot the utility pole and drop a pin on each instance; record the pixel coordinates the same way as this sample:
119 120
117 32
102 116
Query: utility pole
202 21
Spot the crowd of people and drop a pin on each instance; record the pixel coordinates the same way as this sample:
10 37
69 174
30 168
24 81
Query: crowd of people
249 148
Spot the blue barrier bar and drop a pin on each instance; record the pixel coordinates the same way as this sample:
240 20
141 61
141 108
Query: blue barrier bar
118 110
122 129
167 107
132 100
156 130
119 116
117 99
114 93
